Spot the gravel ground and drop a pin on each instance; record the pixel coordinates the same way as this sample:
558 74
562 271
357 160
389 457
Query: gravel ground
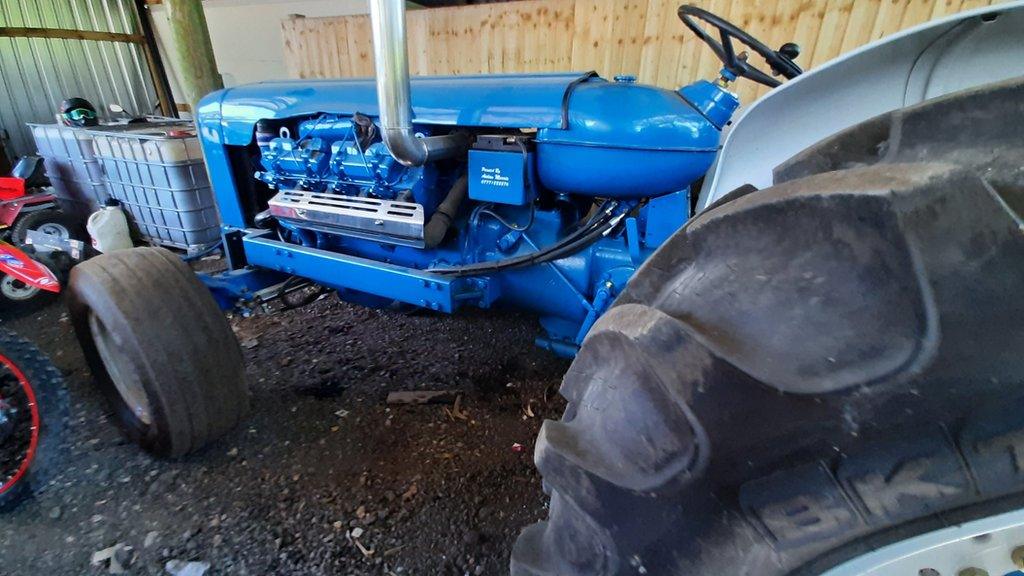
324 477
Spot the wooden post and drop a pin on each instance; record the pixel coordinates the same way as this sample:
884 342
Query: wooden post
154 61
193 51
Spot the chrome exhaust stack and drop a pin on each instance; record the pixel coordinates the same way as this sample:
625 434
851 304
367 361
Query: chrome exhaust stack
391 61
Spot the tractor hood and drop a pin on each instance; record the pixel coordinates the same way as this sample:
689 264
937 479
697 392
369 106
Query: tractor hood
500 101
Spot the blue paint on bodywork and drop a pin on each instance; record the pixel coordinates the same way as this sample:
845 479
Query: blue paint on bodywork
711 101
238 288
499 101
337 270
664 215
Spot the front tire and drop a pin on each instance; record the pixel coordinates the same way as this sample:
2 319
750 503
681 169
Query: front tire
159 348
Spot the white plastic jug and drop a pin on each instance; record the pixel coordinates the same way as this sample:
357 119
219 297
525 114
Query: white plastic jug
108 229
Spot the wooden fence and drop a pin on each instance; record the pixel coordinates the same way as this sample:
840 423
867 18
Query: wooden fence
641 37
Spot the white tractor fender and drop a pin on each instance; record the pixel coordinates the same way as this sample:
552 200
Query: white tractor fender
961 51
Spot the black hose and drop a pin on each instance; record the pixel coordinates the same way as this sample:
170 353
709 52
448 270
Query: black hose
437 227
599 225
570 249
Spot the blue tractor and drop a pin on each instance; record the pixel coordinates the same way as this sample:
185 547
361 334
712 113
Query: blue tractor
784 338
542 192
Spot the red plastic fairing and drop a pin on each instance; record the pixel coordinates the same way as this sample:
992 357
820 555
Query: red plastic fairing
11 209
11 188
16 263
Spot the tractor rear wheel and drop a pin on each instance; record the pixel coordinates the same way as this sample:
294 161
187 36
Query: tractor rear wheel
160 349
811 372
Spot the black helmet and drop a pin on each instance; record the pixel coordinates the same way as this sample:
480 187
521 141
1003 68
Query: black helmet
78 112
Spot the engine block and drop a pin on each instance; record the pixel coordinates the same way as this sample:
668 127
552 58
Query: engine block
334 176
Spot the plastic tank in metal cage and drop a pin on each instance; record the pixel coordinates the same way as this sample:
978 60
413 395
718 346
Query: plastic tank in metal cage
72 167
157 172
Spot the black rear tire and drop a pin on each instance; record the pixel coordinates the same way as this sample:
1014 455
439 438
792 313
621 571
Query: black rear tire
51 404
807 372
160 348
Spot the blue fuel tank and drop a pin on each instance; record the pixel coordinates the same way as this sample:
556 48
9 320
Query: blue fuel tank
594 138
627 140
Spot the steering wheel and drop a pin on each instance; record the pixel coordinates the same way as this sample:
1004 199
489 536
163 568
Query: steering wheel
780 61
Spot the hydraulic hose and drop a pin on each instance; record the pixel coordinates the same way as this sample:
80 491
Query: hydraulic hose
437 227
602 223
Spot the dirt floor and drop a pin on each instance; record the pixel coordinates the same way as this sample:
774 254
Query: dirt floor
324 477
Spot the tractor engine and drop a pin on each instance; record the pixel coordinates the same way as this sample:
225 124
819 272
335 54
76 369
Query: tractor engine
334 175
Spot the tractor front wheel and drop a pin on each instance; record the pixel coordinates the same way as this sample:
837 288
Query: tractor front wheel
160 349
33 419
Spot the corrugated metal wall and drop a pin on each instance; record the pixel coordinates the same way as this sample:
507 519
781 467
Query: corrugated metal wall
37 73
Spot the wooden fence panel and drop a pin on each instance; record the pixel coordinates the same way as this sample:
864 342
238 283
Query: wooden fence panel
641 37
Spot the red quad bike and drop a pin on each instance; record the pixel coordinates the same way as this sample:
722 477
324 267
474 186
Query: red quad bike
28 214
33 401
25 206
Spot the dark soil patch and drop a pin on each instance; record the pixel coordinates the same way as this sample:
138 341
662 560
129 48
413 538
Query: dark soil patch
324 477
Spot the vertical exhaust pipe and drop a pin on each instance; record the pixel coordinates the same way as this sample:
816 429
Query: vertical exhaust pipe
391 61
